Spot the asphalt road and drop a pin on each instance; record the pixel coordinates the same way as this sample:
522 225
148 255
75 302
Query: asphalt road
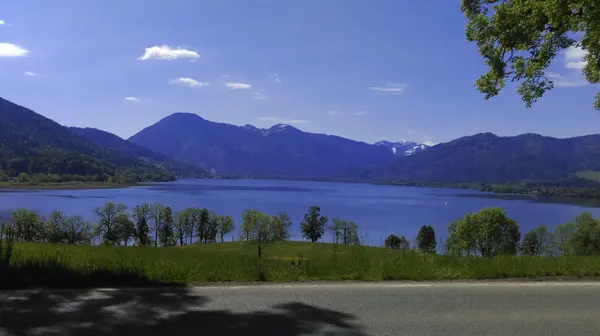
393 309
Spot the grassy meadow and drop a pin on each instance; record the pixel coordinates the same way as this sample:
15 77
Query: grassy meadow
69 266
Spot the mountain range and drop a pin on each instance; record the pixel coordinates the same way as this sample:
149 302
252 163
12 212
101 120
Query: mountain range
281 151
486 157
185 144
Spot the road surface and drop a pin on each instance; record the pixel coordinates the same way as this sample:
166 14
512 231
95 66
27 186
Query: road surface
357 309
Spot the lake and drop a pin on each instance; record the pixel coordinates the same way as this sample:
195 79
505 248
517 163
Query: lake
379 210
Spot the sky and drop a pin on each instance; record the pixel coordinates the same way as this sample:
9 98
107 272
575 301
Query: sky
368 70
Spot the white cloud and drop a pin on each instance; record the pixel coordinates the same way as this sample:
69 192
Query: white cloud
411 132
2 23
574 58
564 81
133 99
29 73
287 121
429 143
360 113
11 50
334 113
259 95
238 86
188 82
275 77
389 89
164 52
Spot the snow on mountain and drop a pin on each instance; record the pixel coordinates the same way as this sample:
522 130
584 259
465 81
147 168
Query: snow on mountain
403 148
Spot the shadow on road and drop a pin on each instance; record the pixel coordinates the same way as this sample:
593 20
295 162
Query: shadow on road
156 311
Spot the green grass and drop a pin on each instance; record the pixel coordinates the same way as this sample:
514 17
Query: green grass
45 265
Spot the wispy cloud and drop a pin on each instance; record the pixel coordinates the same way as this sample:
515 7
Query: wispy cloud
285 121
259 95
389 89
275 77
574 58
188 82
2 23
567 81
334 113
12 50
133 99
411 132
360 113
30 74
238 86
164 52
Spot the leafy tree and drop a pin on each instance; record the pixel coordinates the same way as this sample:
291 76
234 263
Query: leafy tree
125 228
282 222
398 243
141 215
77 231
426 239
313 224
562 238
336 229
212 228
55 226
166 235
519 39
531 244
157 212
488 232
107 225
260 229
586 237
27 225
202 219
183 224
454 245
225 226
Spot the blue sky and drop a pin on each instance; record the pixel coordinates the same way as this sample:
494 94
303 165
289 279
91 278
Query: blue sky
366 70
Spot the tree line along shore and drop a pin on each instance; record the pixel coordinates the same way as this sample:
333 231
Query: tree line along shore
153 244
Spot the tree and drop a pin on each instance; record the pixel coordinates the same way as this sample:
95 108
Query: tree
282 222
398 243
426 239
157 211
77 231
586 237
487 233
202 218
336 229
124 227
562 238
260 229
225 226
519 39
313 224
212 228
27 225
107 225
183 224
54 228
166 235
531 244
141 215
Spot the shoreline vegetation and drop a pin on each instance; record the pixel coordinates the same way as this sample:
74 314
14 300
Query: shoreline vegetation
154 246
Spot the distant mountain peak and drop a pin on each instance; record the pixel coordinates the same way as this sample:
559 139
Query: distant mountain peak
402 147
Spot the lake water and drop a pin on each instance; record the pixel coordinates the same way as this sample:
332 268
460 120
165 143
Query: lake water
379 210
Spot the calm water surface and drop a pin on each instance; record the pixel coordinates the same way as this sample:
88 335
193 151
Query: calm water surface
379 210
